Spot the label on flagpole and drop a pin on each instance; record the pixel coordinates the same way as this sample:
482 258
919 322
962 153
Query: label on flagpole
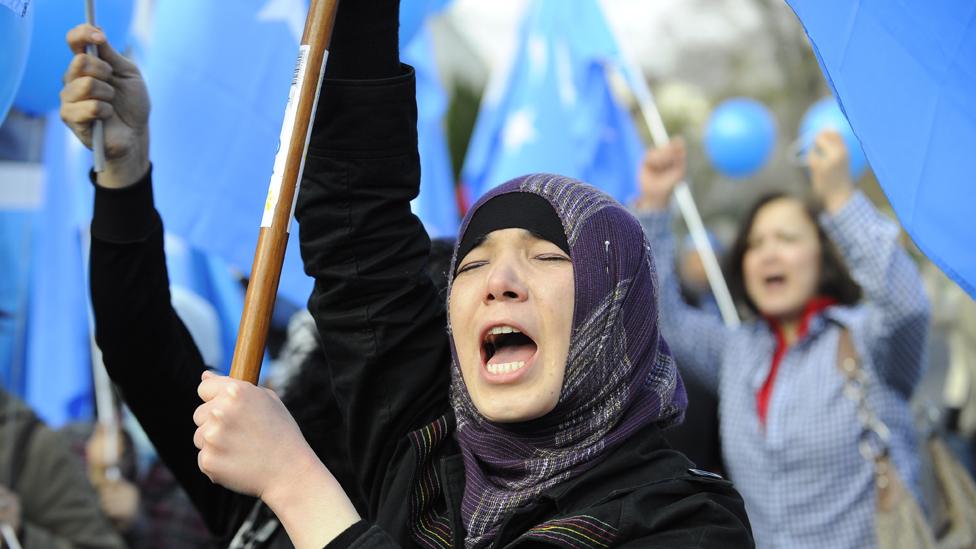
308 134
284 138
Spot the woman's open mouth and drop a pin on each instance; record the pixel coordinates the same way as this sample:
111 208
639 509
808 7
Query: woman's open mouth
506 351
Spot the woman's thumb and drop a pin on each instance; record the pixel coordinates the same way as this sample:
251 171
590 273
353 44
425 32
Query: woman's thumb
109 54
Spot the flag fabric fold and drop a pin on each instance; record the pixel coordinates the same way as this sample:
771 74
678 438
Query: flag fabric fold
553 110
904 74
218 74
436 205
57 371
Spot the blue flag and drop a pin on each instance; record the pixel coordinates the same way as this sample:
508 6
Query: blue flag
436 205
553 110
19 7
58 379
413 17
15 253
218 74
208 299
905 73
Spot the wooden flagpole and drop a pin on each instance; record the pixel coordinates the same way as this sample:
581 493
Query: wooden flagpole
279 207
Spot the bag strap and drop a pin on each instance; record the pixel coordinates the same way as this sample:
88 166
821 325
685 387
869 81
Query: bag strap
873 441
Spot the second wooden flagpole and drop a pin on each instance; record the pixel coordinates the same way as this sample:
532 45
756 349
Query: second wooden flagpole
279 207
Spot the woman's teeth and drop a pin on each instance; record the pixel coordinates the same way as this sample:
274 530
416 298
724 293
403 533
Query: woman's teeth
498 330
505 368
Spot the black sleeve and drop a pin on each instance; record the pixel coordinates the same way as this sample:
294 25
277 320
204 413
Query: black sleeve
147 350
381 324
693 511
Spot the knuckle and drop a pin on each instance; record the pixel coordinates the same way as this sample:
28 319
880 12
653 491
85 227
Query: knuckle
205 462
212 435
81 63
86 85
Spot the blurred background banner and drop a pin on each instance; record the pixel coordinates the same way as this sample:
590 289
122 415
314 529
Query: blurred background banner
552 110
216 119
57 380
528 77
19 7
16 25
217 108
49 55
437 204
903 74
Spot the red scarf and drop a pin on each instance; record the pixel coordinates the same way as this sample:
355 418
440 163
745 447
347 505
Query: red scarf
812 308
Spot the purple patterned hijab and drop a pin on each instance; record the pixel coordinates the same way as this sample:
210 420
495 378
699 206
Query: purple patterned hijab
620 375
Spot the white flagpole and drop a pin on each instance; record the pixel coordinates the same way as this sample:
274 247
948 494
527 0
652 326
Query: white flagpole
108 418
683 197
9 536
98 128
105 409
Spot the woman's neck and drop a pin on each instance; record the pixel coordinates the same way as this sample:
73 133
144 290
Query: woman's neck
793 327
790 328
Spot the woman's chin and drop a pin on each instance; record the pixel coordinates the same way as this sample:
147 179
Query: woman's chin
780 310
515 408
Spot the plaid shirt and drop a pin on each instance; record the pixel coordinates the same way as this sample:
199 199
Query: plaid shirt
804 482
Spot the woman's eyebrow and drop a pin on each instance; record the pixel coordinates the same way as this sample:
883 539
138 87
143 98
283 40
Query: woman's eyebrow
480 240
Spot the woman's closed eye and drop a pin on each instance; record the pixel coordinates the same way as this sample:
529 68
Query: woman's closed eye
788 237
470 266
552 257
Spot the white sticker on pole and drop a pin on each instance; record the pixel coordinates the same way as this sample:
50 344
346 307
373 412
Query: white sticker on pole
284 138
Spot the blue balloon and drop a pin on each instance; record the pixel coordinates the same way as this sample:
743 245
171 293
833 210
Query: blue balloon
825 114
49 54
739 137
15 37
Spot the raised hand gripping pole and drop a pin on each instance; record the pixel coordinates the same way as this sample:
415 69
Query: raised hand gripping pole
279 207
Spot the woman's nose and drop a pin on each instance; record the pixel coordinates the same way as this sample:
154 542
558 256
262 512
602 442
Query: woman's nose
768 252
505 282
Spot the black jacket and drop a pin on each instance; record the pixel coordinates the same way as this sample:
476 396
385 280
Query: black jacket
383 333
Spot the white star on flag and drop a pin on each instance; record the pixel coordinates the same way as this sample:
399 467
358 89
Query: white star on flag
290 12
519 129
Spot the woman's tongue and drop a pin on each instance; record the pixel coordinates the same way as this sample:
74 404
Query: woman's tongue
513 353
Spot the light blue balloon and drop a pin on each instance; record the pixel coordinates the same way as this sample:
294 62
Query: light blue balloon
15 38
739 137
49 54
825 114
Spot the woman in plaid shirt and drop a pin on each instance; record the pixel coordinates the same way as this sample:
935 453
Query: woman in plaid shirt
790 435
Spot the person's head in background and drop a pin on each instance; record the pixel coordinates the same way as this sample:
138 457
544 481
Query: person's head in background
782 259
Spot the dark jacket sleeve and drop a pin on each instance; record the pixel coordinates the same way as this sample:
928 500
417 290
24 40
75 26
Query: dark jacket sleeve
147 350
377 311
709 516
